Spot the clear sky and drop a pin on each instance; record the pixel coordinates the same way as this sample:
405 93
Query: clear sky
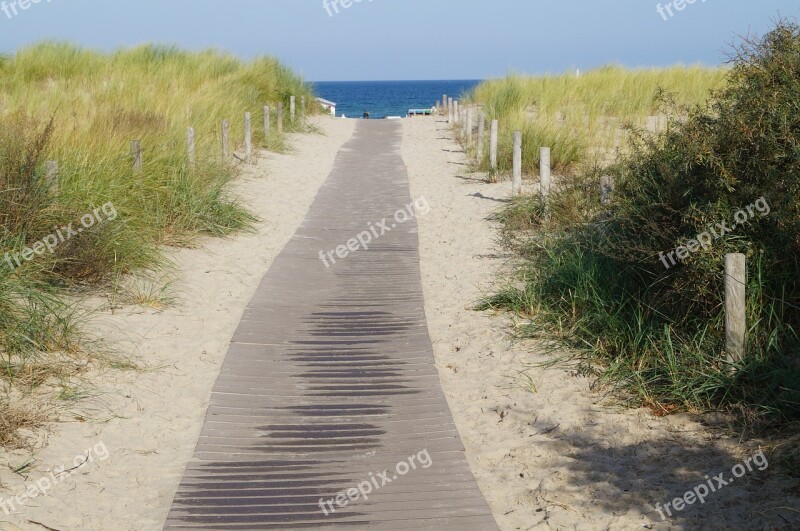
408 39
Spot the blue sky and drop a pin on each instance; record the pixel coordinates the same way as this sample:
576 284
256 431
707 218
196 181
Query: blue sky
409 39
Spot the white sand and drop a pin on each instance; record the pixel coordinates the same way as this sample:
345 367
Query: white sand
559 458
158 415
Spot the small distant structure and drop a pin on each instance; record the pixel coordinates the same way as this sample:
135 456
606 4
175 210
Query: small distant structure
328 106
420 112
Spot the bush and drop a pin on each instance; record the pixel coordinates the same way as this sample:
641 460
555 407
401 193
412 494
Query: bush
604 288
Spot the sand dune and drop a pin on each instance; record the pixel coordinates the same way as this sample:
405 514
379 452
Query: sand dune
548 452
156 417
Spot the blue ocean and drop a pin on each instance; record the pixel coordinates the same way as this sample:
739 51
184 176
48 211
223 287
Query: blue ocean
388 98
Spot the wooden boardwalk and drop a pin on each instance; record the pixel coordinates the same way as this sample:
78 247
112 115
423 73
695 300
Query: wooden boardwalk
330 385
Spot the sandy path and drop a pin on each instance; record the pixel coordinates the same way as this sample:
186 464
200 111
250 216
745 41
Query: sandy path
141 452
557 458
330 377
560 457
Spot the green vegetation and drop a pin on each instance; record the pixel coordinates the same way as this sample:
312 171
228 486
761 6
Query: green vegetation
581 117
82 109
593 277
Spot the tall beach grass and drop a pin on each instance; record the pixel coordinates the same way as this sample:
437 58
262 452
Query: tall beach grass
591 275
582 117
82 108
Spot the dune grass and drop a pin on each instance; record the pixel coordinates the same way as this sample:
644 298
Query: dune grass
82 109
592 276
581 118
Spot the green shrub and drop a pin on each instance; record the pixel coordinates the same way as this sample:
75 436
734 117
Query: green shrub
658 330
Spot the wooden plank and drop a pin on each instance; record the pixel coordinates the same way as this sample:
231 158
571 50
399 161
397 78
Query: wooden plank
516 183
136 155
225 140
319 392
493 145
735 306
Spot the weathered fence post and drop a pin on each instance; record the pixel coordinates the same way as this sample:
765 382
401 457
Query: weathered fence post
248 138
735 306
481 134
516 182
456 111
544 174
302 108
225 147
449 110
468 126
651 124
51 174
136 154
493 138
190 142
292 108
606 189
280 117
266 121
444 103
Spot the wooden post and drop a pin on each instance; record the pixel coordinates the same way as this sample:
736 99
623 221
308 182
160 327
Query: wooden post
248 138
735 306
136 154
280 117
190 140
481 134
450 110
302 107
51 174
292 108
444 103
266 121
651 124
516 183
544 174
606 189
493 145
456 111
470 118
225 147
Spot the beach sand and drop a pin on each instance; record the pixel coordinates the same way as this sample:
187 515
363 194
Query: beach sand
547 450
151 421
